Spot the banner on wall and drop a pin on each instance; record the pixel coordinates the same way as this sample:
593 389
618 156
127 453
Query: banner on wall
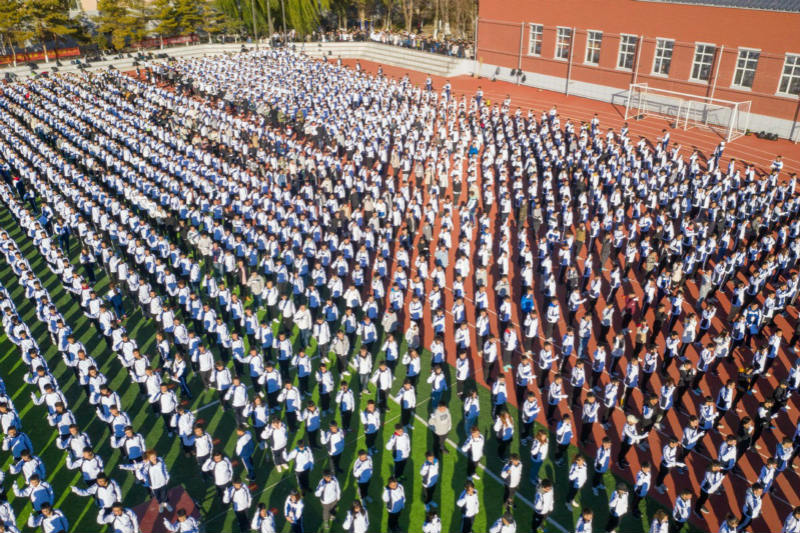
23 57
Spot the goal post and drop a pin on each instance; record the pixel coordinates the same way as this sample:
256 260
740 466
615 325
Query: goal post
727 118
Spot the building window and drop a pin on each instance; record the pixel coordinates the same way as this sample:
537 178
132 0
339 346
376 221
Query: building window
627 51
703 59
663 56
746 68
563 42
790 79
535 40
593 41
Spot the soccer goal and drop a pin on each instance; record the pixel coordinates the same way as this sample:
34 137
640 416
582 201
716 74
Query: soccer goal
727 118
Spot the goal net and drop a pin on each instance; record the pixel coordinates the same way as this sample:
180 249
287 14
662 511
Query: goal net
726 118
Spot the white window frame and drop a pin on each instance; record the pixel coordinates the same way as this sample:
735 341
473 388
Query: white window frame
560 43
623 45
589 50
531 41
737 68
795 74
697 46
657 57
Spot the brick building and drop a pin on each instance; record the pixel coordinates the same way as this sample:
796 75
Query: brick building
734 50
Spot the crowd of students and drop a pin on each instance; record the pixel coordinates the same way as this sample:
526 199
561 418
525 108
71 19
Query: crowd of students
389 220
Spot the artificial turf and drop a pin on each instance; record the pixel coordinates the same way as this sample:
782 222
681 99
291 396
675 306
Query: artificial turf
270 486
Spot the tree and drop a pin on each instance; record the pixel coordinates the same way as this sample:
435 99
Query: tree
47 19
303 15
408 13
191 16
140 14
166 16
112 19
217 22
11 32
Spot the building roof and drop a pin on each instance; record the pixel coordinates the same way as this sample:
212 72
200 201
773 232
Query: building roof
790 6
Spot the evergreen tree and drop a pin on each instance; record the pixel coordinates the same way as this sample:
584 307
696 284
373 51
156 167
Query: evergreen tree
47 20
11 31
113 23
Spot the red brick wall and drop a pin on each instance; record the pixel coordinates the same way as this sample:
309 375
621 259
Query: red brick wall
774 34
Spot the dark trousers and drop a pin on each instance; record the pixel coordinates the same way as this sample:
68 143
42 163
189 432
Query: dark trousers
427 494
466 524
701 501
303 481
440 443
624 448
363 489
663 472
586 431
571 493
537 520
394 522
613 522
675 526
243 520
471 466
399 468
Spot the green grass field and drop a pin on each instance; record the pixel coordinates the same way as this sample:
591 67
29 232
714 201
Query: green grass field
272 487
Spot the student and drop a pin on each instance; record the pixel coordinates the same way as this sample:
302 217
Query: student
333 440
293 511
504 524
188 524
440 423
371 421
407 398
50 519
473 448
362 471
329 494
430 476
617 507
539 449
577 478
680 511
400 446
543 504
221 470
563 438
432 524
528 414
394 497
504 430
602 464
588 416
356 520
106 492
792 522
630 436
276 434
238 496
511 475
641 488
584 523
660 522
752 505
303 459
469 504
347 403
154 472
669 460
245 446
